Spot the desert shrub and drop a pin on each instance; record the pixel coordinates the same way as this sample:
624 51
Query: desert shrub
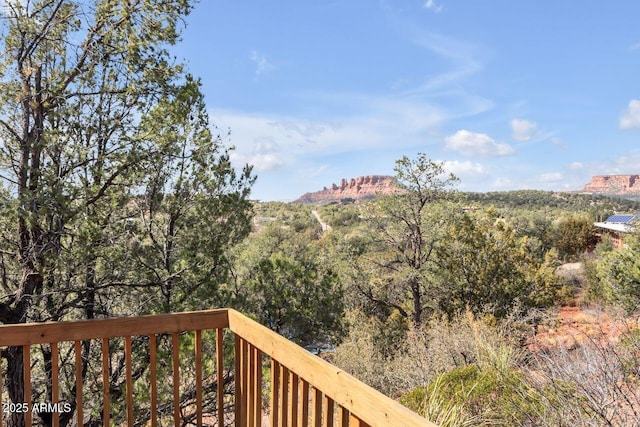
359 353
421 355
489 391
593 385
440 409
476 370
596 292
613 276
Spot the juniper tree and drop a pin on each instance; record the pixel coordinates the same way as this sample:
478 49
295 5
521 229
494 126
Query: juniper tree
82 85
407 227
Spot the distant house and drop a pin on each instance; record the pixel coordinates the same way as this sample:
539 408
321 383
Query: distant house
617 226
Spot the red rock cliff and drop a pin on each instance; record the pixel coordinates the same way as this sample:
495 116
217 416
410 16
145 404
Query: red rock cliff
363 187
614 184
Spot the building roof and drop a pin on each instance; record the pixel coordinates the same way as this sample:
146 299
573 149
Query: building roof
620 223
622 219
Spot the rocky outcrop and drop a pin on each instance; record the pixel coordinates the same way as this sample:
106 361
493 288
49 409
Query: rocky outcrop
614 184
363 187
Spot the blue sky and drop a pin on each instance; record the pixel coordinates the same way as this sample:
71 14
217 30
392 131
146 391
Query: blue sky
510 94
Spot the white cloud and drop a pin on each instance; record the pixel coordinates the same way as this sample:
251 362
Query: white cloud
467 59
551 177
465 169
262 64
469 173
476 144
624 164
502 183
462 59
264 155
579 173
433 5
576 166
631 118
523 130
261 162
271 141
634 47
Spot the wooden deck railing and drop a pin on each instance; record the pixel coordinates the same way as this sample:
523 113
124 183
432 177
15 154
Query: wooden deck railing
271 376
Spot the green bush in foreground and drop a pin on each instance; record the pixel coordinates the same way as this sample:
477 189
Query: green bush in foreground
470 395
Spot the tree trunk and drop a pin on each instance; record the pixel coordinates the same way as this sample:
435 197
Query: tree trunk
417 303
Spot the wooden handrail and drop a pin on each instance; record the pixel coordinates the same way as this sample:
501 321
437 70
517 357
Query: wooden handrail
369 405
41 333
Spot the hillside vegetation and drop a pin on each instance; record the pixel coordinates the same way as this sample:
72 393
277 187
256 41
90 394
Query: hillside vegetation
449 301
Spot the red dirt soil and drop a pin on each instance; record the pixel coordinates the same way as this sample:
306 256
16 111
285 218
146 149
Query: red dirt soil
574 326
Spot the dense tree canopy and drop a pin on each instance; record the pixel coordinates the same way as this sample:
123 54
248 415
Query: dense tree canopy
408 229
486 268
116 197
617 275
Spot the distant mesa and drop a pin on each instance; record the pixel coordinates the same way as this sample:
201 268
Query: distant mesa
363 187
619 185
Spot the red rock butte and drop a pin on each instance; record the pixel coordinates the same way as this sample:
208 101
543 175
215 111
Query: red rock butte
363 187
614 184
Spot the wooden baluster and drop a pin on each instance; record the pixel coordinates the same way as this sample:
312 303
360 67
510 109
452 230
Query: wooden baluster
198 378
251 387
237 383
26 361
343 417
153 379
175 353
328 411
106 405
220 374
275 393
241 382
304 418
55 383
284 395
316 408
257 379
295 387
129 379
356 422
79 399
245 381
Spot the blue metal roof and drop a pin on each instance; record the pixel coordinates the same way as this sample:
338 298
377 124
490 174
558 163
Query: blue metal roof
622 219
